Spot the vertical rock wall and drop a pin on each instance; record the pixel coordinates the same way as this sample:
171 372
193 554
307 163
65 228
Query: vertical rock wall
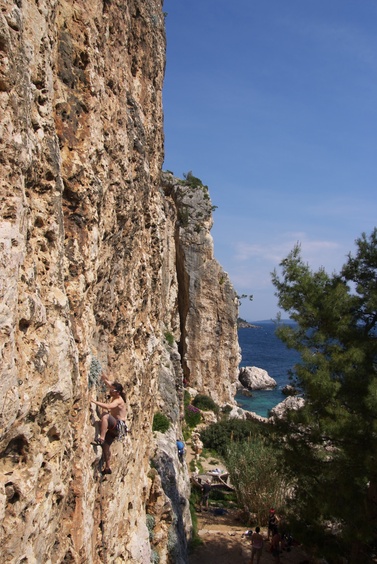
88 278
208 304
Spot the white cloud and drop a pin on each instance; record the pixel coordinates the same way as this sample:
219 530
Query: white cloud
315 252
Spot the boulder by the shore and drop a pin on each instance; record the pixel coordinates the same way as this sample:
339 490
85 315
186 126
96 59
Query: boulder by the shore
254 378
289 390
291 402
277 412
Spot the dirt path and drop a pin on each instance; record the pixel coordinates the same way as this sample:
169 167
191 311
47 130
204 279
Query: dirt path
224 543
223 536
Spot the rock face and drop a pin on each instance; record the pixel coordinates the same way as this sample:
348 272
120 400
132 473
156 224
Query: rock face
290 403
100 268
207 302
254 378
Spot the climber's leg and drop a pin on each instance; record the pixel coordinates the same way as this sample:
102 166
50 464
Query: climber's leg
106 456
110 435
104 425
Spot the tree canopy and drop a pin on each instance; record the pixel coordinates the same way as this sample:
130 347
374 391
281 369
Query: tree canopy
331 443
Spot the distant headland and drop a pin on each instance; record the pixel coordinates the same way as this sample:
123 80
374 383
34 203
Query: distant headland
243 324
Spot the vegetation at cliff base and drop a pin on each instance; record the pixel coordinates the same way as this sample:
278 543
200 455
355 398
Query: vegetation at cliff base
192 416
330 444
252 460
205 403
220 436
257 476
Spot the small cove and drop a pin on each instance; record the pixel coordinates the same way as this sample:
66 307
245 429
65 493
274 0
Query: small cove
262 348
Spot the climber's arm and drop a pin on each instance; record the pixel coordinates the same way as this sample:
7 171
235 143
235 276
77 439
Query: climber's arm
105 378
110 405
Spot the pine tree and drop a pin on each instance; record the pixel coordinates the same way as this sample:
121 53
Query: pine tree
331 443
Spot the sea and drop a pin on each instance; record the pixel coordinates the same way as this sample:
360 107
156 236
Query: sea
262 348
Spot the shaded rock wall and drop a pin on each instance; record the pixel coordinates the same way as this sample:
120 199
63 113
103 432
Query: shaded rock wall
88 276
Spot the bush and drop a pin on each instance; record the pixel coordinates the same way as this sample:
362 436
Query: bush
193 181
195 540
169 338
219 436
255 473
151 522
205 403
160 422
192 416
186 398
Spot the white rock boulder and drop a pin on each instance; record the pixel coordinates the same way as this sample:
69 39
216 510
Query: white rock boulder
254 378
291 402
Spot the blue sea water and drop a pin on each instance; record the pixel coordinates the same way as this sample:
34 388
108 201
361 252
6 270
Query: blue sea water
262 348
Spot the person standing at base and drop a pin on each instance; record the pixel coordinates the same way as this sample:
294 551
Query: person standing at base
256 545
272 523
206 490
275 545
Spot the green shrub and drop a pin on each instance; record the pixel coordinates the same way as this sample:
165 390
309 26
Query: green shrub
223 499
170 338
192 416
219 436
173 543
186 432
186 398
205 403
160 422
193 181
195 540
196 464
151 522
257 477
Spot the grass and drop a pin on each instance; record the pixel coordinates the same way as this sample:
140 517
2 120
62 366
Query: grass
198 464
195 540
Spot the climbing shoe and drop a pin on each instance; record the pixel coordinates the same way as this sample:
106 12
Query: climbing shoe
98 441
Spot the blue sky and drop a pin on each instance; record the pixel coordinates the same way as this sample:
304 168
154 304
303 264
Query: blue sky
273 105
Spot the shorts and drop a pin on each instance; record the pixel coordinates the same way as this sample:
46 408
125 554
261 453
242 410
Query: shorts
114 429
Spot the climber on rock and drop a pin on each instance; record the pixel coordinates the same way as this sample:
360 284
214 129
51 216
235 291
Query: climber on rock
113 425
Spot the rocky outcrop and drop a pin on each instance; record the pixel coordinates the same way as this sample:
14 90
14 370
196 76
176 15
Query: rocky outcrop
208 304
289 390
254 378
243 324
290 403
98 269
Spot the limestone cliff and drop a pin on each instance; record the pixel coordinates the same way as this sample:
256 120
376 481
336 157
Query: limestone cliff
97 270
208 304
